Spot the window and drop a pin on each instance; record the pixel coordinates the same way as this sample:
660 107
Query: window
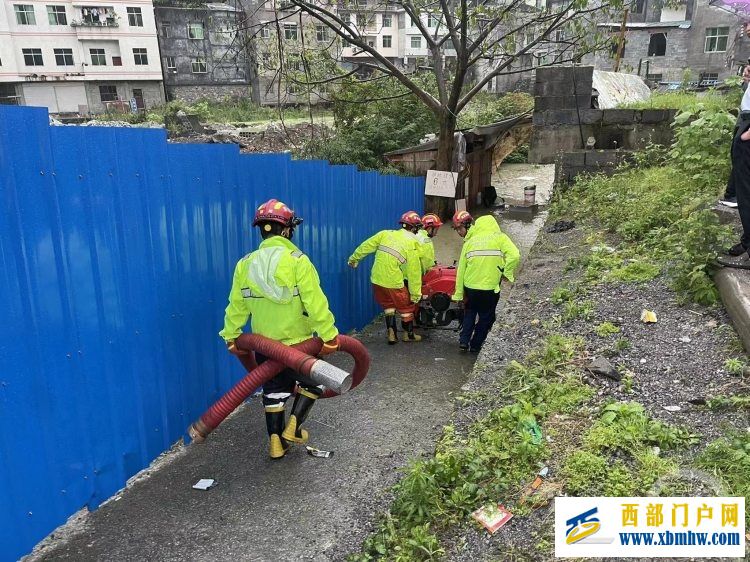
116 61
387 21
25 14
107 92
321 33
387 41
166 29
140 56
170 63
97 57
371 42
416 42
716 39
290 31
636 7
361 21
265 32
657 45
431 21
559 35
56 15
64 57
135 17
8 95
346 18
199 66
32 57
195 31
294 63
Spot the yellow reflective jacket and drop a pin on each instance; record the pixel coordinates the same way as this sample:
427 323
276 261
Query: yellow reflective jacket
278 288
426 251
396 259
487 256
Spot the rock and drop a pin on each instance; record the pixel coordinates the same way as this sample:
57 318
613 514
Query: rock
672 408
685 339
601 366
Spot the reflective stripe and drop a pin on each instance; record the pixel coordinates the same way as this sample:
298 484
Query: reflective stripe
248 293
394 253
297 254
475 253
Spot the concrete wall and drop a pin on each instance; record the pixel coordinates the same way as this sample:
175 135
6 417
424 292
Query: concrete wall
192 94
570 164
153 93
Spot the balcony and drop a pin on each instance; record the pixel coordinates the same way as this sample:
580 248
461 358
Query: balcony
105 23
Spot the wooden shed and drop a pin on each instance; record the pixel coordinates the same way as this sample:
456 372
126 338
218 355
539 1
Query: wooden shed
486 147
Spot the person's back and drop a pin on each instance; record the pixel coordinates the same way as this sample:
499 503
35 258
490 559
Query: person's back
396 265
278 289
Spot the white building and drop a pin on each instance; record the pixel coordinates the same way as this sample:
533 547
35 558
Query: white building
79 56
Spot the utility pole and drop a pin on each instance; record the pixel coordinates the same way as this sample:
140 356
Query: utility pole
621 40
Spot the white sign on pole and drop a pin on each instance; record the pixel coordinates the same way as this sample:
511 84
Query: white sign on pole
441 184
460 205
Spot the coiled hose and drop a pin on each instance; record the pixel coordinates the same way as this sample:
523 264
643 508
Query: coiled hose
299 357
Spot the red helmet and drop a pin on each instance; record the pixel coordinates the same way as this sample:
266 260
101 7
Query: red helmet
431 220
411 218
462 218
275 211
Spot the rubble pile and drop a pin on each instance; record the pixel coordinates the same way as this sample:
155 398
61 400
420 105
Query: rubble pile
274 138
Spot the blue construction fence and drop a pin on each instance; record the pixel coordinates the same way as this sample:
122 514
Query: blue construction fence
116 257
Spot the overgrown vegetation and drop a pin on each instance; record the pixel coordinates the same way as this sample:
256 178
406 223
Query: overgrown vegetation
394 118
687 101
659 208
729 459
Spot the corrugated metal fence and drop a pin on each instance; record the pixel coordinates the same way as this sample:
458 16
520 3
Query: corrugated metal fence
116 256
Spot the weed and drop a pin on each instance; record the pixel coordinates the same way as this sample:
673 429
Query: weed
729 402
622 344
577 309
735 366
729 459
606 329
627 383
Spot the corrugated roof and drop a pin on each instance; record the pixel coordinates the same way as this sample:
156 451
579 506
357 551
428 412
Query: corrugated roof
649 24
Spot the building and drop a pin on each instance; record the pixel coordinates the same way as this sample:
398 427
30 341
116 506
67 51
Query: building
694 42
204 50
79 57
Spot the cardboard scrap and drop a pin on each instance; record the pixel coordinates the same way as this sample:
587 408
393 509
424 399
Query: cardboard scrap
492 517
204 484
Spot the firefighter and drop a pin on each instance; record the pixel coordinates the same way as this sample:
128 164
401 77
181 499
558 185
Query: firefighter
430 225
278 288
487 256
396 274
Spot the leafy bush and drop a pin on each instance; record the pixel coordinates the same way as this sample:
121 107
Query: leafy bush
486 108
687 101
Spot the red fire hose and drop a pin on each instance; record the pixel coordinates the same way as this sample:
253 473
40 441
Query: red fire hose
299 357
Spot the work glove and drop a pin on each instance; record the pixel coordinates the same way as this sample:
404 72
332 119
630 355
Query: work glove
329 347
234 350
353 264
416 299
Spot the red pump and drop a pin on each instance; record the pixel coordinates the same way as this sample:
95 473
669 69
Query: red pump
436 307
300 357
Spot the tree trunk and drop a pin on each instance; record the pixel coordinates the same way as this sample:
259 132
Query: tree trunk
442 206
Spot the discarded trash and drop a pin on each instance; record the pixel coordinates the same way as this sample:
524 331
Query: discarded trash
685 339
492 517
439 358
544 472
560 226
534 430
312 451
535 322
534 486
712 324
204 484
672 408
648 316
601 366
700 401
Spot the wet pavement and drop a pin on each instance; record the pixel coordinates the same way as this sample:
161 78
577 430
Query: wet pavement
299 507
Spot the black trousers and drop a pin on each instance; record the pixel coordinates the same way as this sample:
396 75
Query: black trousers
479 316
740 178
731 190
280 388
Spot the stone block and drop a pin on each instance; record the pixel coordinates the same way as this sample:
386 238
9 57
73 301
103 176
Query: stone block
651 116
591 116
561 102
618 116
577 158
600 158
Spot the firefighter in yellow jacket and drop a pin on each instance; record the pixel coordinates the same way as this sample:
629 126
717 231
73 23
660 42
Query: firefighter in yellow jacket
488 256
396 274
278 289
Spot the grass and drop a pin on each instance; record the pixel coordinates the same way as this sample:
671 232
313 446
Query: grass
729 459
686 101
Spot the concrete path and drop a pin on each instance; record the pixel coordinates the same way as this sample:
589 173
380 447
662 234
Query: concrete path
299 507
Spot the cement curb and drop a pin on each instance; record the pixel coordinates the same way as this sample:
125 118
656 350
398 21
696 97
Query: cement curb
734 288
